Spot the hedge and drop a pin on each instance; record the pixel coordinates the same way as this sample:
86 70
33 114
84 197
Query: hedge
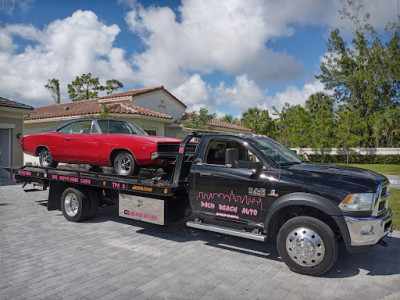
355 159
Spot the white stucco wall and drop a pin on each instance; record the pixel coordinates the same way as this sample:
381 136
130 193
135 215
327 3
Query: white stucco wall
161 102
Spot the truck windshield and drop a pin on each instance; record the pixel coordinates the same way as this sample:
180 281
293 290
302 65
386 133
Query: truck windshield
275 151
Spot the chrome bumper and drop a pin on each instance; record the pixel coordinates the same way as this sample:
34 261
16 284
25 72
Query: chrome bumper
368 231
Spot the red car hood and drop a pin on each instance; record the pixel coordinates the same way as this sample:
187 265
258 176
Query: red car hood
160 139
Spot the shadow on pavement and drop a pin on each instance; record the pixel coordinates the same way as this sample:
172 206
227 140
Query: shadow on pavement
376 261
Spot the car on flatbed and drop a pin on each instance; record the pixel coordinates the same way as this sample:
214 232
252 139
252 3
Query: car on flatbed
246 186
101 142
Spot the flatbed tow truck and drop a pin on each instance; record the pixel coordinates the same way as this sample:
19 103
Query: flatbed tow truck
245 186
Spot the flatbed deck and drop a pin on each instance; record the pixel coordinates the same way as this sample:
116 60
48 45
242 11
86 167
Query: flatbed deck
148 182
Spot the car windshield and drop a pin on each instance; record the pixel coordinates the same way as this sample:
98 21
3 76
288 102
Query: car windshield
276 152
119 127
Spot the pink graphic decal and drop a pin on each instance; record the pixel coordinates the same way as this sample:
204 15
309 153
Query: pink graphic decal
228 208
231 198
249 211
226 215
22 172
54 176
116 185
207 205
86 181
181 149
74 179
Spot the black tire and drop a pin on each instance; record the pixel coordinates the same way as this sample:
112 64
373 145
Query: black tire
74 205
46 160
307 246
125 164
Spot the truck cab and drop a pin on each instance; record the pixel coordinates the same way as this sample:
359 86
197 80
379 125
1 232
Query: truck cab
251 186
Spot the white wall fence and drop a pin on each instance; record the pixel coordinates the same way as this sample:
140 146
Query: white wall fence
361 151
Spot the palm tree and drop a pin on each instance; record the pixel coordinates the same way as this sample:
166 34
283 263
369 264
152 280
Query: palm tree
318 101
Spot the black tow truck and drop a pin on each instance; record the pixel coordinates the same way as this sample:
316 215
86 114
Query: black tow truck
246 186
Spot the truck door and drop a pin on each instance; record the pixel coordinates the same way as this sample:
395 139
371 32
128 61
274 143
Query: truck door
224 191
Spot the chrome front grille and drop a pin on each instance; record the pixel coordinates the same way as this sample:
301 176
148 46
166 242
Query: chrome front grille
382 202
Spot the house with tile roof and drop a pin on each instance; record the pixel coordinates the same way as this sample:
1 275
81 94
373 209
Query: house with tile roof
11 129
154 109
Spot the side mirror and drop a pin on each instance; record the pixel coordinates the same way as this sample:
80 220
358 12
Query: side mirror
255 166
231 156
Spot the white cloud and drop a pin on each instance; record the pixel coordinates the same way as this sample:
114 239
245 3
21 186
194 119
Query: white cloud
201 37
64 49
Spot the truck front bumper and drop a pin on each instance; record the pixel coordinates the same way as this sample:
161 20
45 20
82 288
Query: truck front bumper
366 232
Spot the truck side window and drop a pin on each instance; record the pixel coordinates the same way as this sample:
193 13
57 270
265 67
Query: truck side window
216 152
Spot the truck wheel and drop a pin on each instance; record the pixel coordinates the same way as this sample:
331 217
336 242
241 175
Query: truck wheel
46 160
307 245
125 164
74 205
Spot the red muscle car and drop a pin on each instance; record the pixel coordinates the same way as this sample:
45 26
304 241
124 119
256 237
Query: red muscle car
101 142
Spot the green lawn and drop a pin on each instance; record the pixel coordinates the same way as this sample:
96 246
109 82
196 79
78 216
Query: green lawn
378 168
394 203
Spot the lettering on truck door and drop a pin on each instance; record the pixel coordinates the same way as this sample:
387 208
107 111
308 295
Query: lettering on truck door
227 191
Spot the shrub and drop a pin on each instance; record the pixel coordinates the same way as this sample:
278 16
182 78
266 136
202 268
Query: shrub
355 159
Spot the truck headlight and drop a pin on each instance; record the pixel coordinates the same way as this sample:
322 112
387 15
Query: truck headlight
358 202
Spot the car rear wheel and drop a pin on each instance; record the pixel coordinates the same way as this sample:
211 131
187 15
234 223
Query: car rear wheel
46 160
125 164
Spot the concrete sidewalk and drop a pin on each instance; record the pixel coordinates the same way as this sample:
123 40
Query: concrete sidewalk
43 256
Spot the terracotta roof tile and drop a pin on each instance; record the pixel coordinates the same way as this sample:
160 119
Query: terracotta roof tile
90 107
218 123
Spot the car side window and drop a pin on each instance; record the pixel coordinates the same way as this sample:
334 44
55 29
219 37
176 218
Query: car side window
118 127
217 148
77 127
103 124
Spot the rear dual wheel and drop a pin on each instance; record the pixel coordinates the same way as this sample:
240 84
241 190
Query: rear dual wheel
79 205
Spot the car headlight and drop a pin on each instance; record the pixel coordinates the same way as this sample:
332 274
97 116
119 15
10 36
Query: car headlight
358 202
153 155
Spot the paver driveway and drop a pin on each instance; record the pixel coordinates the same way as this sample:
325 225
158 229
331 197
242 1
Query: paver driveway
43 256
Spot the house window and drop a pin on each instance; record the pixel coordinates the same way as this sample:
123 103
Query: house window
151 131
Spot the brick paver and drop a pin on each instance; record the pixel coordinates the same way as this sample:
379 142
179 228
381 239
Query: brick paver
43 256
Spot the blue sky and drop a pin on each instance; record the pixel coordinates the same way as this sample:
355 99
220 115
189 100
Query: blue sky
225 55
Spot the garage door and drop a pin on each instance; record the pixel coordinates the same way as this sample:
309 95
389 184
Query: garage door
5 152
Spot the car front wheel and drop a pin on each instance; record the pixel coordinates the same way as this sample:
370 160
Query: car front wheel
125 164
46 160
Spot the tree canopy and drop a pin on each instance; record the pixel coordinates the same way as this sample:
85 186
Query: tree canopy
53 86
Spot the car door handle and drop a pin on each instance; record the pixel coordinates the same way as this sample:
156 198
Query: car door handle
206 174
67 139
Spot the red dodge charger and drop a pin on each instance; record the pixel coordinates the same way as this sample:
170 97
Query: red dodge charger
101 142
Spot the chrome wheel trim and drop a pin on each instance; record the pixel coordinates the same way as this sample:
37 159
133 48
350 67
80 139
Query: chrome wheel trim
71 204
124 164
45 158
305 247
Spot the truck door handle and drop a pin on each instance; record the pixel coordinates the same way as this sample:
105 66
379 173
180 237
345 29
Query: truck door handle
206 174
67 139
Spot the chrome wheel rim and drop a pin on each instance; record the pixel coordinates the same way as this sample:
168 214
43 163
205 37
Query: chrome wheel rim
71 204
305 247
45 158
124 165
